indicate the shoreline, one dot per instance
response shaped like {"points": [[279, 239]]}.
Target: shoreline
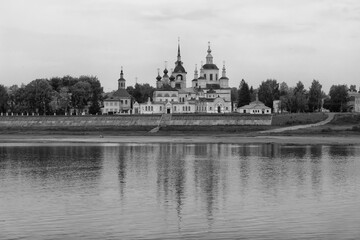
{"points": [[183, 139]]}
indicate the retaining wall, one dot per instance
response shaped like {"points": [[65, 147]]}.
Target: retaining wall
{"points": [[10, 122]]}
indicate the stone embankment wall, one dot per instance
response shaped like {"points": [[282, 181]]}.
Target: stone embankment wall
{"points": [[15, 122]]}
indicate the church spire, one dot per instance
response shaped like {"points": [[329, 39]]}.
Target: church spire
{"points": [[121, 81], [121, 73], [223, 70], [209, 57], [178, 64], [179, 56], [196, 76]]}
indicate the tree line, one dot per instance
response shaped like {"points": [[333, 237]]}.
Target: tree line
{"points": [[71, 95], [296, 98], [66, 95]]}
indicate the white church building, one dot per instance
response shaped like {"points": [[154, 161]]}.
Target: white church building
{"points": [[209, 92]]}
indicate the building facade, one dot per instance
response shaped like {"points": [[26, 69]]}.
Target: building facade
{"points": [[209, 92], [255, 107], [119, 101], [354, 101]]}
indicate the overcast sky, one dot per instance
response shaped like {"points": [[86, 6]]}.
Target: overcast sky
{"points": [[287, 40]]}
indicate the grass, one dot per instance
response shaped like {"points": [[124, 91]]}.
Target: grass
{"points": [[297, 119]]}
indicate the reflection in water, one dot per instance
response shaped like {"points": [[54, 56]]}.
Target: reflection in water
{"points": [[171, 191]]}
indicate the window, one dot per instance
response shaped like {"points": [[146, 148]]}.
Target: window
{"points": [[126, 102], [160, 108], [205, 76], [152, 109], [211, 77], [210, 108], [174, 108], [111, 103], [216, 78]]}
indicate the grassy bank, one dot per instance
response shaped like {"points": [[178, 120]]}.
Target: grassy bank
{"points": [[290, 119]]}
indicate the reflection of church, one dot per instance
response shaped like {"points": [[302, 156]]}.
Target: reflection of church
{"points": [[209, 93]]}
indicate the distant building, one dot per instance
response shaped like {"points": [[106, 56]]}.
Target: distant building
{"points": [[208, 93], [118, 101], [354, 101], [255, 107], [277, 106]]}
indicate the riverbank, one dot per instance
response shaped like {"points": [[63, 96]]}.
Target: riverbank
{"points": [[205, 138]]}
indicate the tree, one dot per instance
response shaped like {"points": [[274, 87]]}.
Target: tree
{"points": [[300, 95], [315, 96], [244, 97], [234, 94], [96, 93], [284, 97], [141, 92], [80, 95], [268, 92], [39, 95], [338, 98], [3, 99]]}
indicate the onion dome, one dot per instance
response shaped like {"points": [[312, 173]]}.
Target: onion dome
{"points": [[172, 78], [158, 76], [210, 66], [165, 73]]}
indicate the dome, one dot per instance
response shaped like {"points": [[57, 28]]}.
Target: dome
{"points": [[158, 78], [172, 78], [165, 71], [210, 66], [224, 78], [179, 69], [194, 80]]}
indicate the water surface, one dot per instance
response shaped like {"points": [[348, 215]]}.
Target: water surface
{"points": [[179, 191]]}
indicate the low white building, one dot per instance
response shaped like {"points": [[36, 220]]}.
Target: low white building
{"points": [[255, 107]]}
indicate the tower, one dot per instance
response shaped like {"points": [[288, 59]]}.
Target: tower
{"points": [[196, 76], [210, 70], [179, 71], [158, 79], [224, 81], [121, 81]]}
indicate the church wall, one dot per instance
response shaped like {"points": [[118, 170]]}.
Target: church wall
{"points": [[215, 76]]}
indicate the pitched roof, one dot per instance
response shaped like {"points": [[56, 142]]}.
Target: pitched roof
{"points": [[120, 93], [255, 105]]}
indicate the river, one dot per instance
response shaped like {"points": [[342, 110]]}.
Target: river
{"points": [[179, 191]]}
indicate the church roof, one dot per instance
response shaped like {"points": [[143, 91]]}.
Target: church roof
{"points": [[179, 68], [224, 78], [210, 66], [120, 93], [255, 105]]}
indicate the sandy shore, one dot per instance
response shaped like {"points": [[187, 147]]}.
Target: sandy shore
{"points": [[216, 138]]}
